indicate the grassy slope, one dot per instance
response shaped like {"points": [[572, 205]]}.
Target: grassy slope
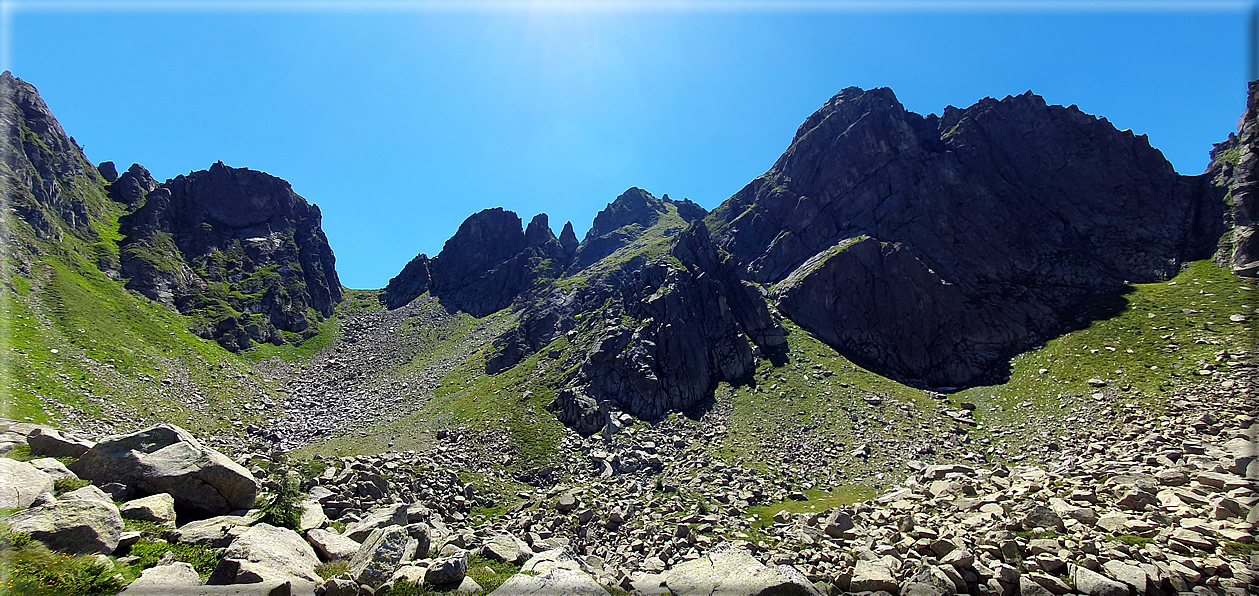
{"points": [[74, 340]]}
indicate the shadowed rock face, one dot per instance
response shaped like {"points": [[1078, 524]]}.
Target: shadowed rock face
{"points": [[486, 265], [238, 247], [979, 228], [1235, 169]]}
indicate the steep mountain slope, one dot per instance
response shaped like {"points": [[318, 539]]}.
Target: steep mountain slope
{"points": [[76, 346], [1235, 167], [934, 248]]}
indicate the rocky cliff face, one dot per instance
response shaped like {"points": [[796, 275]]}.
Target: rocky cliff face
{"points": [[236, 248], [1235, 169], [47, 181], [486, 265], [933, 248], [654, 322]]}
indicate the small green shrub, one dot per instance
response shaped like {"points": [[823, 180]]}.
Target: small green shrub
{"points": [[201, 558], [11, 539], [20, 452], [284, 507], [65, 485], [332, 569]]}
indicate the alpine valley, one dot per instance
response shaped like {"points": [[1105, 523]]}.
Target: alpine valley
{"points": [[1002, 350]]}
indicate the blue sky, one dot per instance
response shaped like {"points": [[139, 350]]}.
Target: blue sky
{"points": [[402, 120]]}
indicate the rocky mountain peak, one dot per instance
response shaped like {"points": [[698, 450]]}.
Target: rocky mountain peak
{"points": [[634, 206], [52, 186], [539, 231], [568, 239], [237, 248], [132, 185], [483, 240], [1016, 209]]}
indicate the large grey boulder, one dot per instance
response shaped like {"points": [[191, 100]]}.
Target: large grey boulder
{"points": [[167, 459], [447, 570], [1095, 584], [159, 508], [506, 549], [216, 532], [72, 526], [383, 552], [267, 553], [54, 443], [53, 468], [728, 570], [330, 545], [20, 483], [377, 518], [555, 581], [164, 579]]}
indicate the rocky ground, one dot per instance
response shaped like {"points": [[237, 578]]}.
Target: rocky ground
{"points": [[1127, 500], [375, 371]]}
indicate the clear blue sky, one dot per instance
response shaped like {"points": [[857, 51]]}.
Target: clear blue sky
{"points": [[399, 123]]}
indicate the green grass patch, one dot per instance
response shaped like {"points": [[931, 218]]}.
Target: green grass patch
{"points": [[819, 391], [1163, 335], [202, 558], [332, 569], [1132, 540], [490, 574], [1240, 549], [149, 530], [819, 501], [64, 485], [33, 569]]}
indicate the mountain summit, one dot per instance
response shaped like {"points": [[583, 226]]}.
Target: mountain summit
{"points": [[934, 248]]}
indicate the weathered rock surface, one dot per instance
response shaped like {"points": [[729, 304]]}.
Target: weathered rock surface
{"points": [[167, 459], [904, 242], [56, 444], [20, 483], [381, 553], [1235, 169], [727, 570], [330, 545], [266, 553], [72, 526], [159, 508], [164, 579], [198, 235]]}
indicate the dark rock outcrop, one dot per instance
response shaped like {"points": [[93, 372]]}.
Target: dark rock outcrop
{"points": [[108, 171], [568, 240], [655, 329], [409, 284], [976, 230], [132, 185], [1235, 169], [236, 248], [624, 219], [48, 182], [681, 330], [485, 266]]}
